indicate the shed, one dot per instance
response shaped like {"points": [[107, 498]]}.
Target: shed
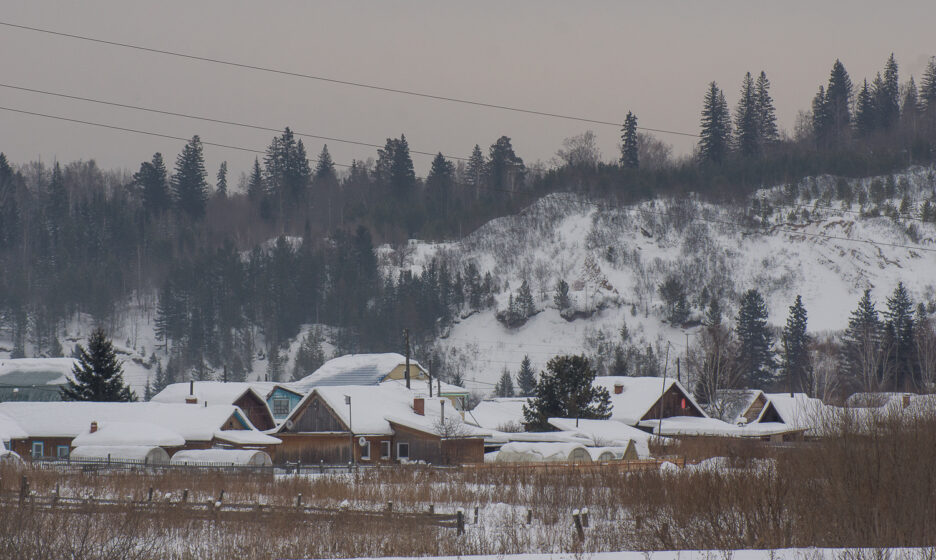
{"points": [[150, 455], [606, 454], [543, 453], [222, 457]]}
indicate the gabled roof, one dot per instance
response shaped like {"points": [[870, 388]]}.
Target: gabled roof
{"points": [[211, 392], [799, 411], [192, 422], [735, 402], [639, 395], [353, 369], [493, 414], [128, 433], [266, 388], [606, 432], [10, 429]]}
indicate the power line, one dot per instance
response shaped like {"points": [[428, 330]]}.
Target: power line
{"points": [[137, 131], [337, 81], [209, 119]]}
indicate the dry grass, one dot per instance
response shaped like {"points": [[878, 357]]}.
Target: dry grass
{"points": [[872, 487]]}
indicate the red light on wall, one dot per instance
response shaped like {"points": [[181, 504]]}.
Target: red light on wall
{"points": [[683, 404]]}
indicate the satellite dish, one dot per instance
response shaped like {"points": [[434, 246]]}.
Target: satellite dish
{"points": [[288, 424], [362, 441]]}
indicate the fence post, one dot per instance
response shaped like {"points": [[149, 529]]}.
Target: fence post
{"points": [[577, 521], [24, 489], [149, 496], [185, 496], [460, 521], [389, 507], [476, 515], [322, 466], [529, 516], [55, 496], [431, 509], [299, 500]]}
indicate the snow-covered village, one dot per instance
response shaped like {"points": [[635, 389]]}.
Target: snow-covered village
{"points": [[512, 281]]}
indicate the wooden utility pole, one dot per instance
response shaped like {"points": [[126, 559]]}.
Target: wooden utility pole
{"points": [[430, 377], [406, 342]]}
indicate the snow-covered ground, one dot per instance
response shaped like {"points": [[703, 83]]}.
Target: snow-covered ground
{"points": [[777, 554]]}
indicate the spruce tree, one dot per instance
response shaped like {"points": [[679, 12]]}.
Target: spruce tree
{"points": [[439, 183], [887, 95], [324, 176], [566, 390], [768, 132], [837, 105], [527, 306], [820, 118], [561, 295], [928, 88], [189, 183], [504, 387], [755, 349], [747, 133], [98, 375], [255, 188], [861, 345], [629, 149], [152, 180], [221, 182], [715, 131], [795, 341], [865, 118], [526, 378], [910, 108], [475, 170], [899, 336]]}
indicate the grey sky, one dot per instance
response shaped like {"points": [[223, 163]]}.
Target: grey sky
{"points": [[591, 59]]}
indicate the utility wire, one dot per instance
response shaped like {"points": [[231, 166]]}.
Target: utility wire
{"points": [[337, 81], [137, 131], [209, 119]]}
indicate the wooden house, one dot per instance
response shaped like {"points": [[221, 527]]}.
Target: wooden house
{"points": [[638, 399], [48, 429], [241, 395], [744, 406], [281, 398], [375, 424], [34, 379]]}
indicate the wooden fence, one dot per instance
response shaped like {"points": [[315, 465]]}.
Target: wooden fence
{"points": [[623, 466]]}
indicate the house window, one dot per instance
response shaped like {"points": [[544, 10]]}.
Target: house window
{"points": [[385, 450], [61, 451], [365, 451], [38, 449], [280, 407], [402, 451]]}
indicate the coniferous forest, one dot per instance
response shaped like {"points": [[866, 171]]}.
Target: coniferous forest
{"points": [[224, 263]]}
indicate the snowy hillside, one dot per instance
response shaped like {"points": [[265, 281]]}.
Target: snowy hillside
{"points": [[614, 259]]}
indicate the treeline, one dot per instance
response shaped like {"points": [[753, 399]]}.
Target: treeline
{"points": [[77, 239]]}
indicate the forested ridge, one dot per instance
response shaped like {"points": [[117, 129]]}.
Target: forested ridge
{"points": [[229, 271]]}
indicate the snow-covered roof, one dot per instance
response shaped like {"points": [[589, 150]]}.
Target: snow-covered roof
{"points": [[234, 457], [494, 414], [734, 403], [10, 429], [693, 426], [421, 387], [542, 452], [192, 422], [266, 388], [638, 396], [533, 437], [150, 454], [128, 433], [211, 392], [874, 400], [36, 371], [353, 369], [607, 432], [799, 411]]}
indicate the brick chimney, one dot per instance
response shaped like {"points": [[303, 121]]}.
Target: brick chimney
{"points": [[191, 398], [618, 388], [93, 426], [419, 406]]}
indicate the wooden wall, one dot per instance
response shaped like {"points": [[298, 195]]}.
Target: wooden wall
{"points": [[672, 405]]}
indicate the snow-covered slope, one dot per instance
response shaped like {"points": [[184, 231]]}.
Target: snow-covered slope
{"points": [[614, 259]]}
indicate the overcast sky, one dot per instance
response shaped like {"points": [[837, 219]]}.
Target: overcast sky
{"points": [[591, 59]]}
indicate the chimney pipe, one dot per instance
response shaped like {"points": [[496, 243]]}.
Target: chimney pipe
{"points": [[93, 426], [191, 387], [419, 406], [618, 389]]}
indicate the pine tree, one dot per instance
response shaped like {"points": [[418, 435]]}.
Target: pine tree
{"points": [[747, 134], [526, 378], [755, 351], [899, 336], [837, 106], [886, 94], [221, 184], [189, 183], [768, 132], [474, 170], [98, 376], [504, 387], [629, 149], [566, 390], [324, 176], [505, 170], [865, 115], [715, 131], [795, 341], [527, 306]]}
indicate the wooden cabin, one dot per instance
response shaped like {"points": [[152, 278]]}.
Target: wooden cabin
{"points": [[241, 395]]}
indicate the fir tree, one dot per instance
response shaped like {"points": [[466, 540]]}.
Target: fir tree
{"points": [[928, 87], [755, 350], [526, 378], [255, 188], [887, 95], [221, 183], [566, 390], [152, 180], [910, 108], [189, 183], [837, 104], [474, 170], [795, 341], [865, 121], [820, 117], [715, 131], [162, 380], [747, 133], [97, 376], [861, 345], [439, 183], [713, 313], [324, 177], [629, 149], [527, 306], [504, 387]]}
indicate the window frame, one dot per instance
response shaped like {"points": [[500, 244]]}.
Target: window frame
{"points": [[385, 449], [365, 451], [280, 401], [40, 445], [59, 449], [399, 446]]}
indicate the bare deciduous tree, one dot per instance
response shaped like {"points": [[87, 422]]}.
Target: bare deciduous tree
{"points": [[711, 365], [580, 150]]}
